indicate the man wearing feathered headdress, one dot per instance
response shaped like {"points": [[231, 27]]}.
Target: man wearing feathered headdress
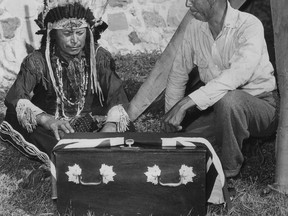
{"points": [[66, 86]]}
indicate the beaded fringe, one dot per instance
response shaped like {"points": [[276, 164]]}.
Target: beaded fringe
{"points": [[95, 86]]}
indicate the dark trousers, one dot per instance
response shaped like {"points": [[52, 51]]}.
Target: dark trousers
{"points": [[234, 118]]}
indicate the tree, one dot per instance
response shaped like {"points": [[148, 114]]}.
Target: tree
{"points": [[279, 10]]}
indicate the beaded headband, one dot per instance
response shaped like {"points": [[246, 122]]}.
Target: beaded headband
{"points": [[71, 24]]}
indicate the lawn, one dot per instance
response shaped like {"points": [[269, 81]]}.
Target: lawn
{"points": [[252, 196]]}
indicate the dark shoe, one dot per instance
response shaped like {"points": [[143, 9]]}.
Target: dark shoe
{"points": [[232, 173]]}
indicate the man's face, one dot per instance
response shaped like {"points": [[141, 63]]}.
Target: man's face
{"points": [[201, 9], [71, 41]]}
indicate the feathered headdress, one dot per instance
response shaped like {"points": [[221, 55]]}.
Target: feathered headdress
{"points": [[63, 14], [55, 10]]}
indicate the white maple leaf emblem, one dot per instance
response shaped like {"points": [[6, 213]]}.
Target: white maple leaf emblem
{"points": [[74, 173], [152, 174], [186, 174], [107, 173]]}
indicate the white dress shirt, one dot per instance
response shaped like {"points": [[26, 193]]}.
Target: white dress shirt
{"points": [[236, 59]]}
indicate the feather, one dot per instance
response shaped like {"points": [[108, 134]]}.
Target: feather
{"points": [[71, 10], [76, 10], [58, 13], [81, 12], [65, 12], [54, 10]]}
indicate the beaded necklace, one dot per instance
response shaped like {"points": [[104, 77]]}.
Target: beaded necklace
{"points": [[62, 99]]}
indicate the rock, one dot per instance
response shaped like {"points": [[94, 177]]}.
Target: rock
{"points": [[133, 37], [9, 26], [119, 3], [159, 1], [117, 21], [153, 19]]}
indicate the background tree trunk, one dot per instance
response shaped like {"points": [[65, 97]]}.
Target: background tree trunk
{"points": [[279, 10]]}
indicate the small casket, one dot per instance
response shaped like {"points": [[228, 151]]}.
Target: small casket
{"points": [[130, 174]]}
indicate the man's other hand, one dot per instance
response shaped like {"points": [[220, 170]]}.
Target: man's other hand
{"points": [[171, 121]]}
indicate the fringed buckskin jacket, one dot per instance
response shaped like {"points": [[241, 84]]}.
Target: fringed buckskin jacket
{"points": [[33, 83]]}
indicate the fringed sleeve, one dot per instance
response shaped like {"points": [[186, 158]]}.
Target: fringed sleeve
{"points": [[18, 97], [119, 116]]}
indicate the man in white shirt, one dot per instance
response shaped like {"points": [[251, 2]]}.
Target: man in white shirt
{"points": [[238, 98]]}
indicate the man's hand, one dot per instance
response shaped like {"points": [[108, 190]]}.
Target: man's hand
{"points": [[54, 125], [171, 121]]}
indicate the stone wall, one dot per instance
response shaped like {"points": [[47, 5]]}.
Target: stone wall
{"points": [[15, 37], [141, 25], [12, 49], [134, 26]]}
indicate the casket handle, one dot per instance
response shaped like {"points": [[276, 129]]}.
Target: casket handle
{"points": [[186, 175], [170, 184], [89, 183], [74, 174]]}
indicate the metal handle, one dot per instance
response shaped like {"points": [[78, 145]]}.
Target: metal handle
{"points": [[74, 174], [89, 183], [170, 184], [186, 175]]}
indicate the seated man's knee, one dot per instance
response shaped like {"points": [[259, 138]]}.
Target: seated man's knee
{"points": [[232, 100]]}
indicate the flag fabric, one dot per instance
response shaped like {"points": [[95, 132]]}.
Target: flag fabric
{"points": [[215, 175], [89, 143]]}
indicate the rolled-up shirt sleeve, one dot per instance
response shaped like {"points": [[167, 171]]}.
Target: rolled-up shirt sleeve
{"points": [[178, 77], [243, 63]]}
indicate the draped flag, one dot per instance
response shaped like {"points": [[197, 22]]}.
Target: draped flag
{"points": [[89, 143], [215, 175]]}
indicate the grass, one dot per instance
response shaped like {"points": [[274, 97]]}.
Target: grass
{"points": [[252, 196]]}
